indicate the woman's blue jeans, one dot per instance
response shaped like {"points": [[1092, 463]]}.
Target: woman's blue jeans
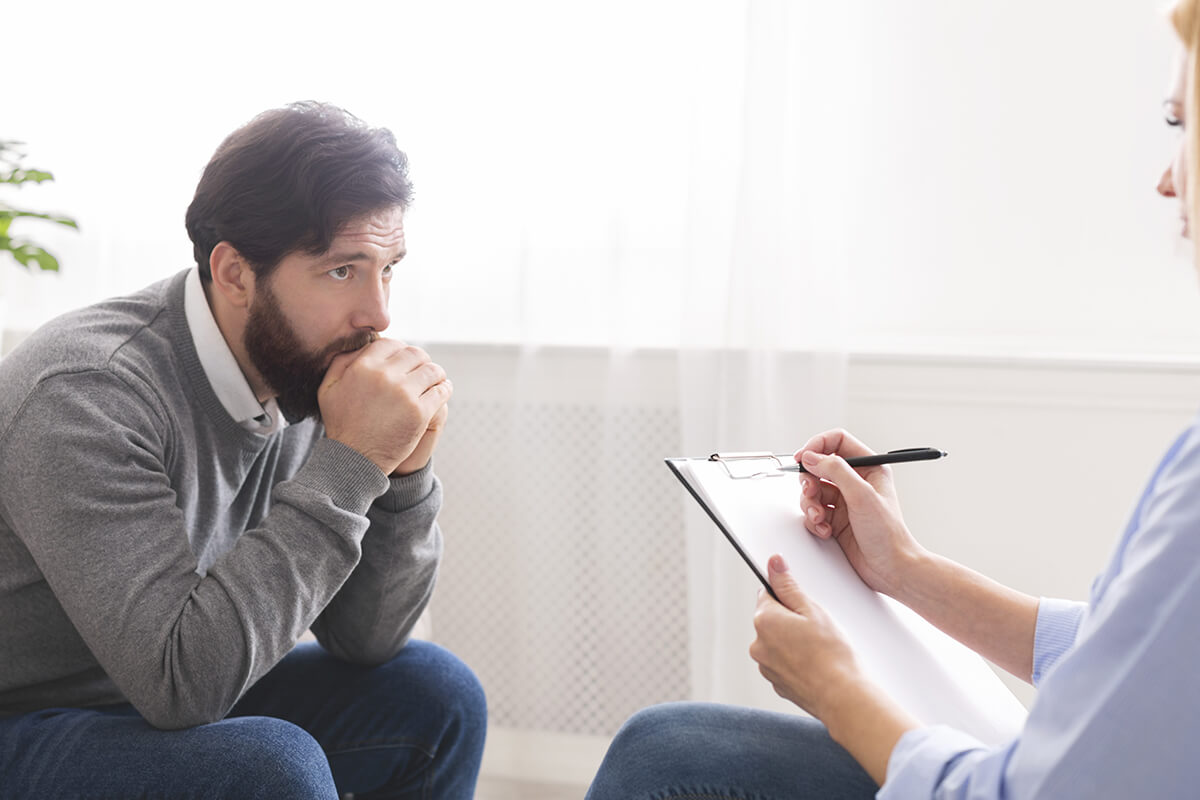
{"points": [[701, 751], [313, 727]]}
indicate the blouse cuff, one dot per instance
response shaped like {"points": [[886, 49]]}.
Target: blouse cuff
{"points": [[1057, 626], [921, 759]]}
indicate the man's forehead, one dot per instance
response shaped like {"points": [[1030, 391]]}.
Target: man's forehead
{"points": [[384, 228]]}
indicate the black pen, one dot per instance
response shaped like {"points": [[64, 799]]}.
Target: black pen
{"points": [[891, 457]]}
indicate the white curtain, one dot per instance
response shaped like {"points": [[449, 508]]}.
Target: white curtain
{"points": [[764, 362]]}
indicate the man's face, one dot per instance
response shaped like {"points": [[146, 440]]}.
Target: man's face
{"points": [[311, 308]]}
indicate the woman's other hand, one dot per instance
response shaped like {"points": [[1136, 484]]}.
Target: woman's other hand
{"points": [[798, 647], [804, 655]]}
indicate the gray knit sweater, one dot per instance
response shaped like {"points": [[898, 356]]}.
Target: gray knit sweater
{"points": [[154, 551]]}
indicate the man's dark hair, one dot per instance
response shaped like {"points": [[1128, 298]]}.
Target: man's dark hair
{"points": [[289, 180]]}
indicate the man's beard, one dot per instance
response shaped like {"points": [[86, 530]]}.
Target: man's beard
{"points": [[292, 372]]}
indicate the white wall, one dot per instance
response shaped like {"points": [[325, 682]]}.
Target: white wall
{"points": [[1006, 180]]}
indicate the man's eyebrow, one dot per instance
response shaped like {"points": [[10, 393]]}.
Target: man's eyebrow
{"points": [[349, 256], [343, 257]]}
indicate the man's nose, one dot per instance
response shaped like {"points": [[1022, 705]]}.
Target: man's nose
{"points": [[1166, 186], [372, 311]]}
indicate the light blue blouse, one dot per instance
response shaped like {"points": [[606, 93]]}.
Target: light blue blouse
{"points": [[1118, 708]]}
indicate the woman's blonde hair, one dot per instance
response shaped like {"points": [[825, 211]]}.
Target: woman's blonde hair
{"points": [[1185, 16]]}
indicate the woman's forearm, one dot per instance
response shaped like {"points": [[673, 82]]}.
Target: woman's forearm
{"points": [[993, 620], [868, 723]]}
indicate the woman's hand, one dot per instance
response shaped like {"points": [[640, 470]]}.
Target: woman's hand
{"points": [[803, 654], [798, 647], [858, 508]]}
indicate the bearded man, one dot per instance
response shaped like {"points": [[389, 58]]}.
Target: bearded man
{"points": [[194, 476]]}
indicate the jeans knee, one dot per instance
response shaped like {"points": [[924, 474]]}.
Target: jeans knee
{"points": [[470, 700], [272, 758], [659, 724], [645, 750], [452, 686]]}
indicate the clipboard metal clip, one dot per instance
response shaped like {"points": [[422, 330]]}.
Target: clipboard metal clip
{"points": [[740, 466]]}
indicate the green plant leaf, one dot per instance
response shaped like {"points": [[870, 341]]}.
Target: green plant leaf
{"points": [[18, 176], [25, 253], [12, 213], [46, 261], [28, 254]]}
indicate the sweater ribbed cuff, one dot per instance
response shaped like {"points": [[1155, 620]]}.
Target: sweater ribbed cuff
{"points": [[407, 490], [350, 479]]}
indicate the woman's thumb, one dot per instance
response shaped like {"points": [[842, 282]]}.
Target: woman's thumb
{"points": [[784, 584]]}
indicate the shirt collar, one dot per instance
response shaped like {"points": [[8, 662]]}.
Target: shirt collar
{"points": [[221, 368]]}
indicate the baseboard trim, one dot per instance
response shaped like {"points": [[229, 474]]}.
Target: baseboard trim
{"points": [[543, 756]]}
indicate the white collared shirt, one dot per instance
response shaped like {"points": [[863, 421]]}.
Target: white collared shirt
{"points": [[221, 368]]}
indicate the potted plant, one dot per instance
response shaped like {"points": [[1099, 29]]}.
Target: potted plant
{"points": [[22, 250]]}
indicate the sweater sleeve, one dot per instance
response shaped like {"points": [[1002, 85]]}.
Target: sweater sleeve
{"points": [[371, 617], [84, 485]]}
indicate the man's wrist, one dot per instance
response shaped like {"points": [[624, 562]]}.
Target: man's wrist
{"points": [[404, 470]]}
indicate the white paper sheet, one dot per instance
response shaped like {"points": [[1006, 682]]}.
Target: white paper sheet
{"points": [[934, 677]]}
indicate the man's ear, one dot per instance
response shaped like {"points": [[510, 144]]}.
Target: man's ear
{"points": [[232, 276]]}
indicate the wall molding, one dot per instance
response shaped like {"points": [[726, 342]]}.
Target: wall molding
{"points": [[1152, 385]]}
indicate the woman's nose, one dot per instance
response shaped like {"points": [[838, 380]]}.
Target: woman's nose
{"points": [[1166, 186]]}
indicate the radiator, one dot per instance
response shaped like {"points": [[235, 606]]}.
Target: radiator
{"points": [[563, 584]]}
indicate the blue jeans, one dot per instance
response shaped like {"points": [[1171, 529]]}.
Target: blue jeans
{"points": [[312, 727], [701, 751]]}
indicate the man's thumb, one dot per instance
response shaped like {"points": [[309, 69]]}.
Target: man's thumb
{"points": [[338, 366], [784, 585]]}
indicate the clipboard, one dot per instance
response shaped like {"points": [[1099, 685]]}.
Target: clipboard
{"points": [[936, 678], [760, 467]]}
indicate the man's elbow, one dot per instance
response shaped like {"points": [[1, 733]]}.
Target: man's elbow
{"points": [[375, 654], [168, 714], [366, 651]]}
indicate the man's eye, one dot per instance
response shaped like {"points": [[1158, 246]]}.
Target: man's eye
{"points": [[340, 273]]}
